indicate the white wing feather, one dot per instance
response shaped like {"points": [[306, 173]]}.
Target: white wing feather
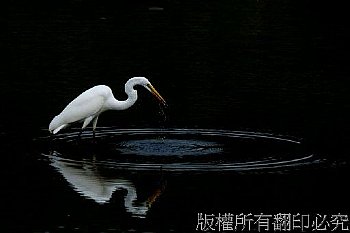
{"points": [[88, 104]]}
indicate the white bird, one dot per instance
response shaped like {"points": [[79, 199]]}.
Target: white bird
{"points": [[92, 102]]}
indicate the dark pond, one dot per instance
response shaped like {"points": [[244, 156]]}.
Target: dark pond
{"points": [[257, 122]]}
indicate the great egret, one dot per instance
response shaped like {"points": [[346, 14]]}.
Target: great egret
{"points": [[92, 102]]}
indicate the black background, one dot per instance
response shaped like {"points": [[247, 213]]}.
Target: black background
{"points": [[267, 66]]}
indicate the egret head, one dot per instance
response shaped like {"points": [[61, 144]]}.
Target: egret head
{"points": [[147, 84]]}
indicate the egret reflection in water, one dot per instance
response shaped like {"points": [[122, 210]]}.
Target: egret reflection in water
{"points": [[84, 177]]}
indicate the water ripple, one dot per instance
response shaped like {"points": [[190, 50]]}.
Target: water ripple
{"points": [[181, 150]]}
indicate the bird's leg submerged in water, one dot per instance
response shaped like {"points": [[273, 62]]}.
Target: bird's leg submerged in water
{"points": [[80, 133], [86, 122], [94, 123]]}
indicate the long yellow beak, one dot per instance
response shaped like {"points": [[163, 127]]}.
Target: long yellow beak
{"points": [[156, 93]]}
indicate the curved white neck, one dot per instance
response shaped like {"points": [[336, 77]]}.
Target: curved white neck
{"points": [[115, 104]]}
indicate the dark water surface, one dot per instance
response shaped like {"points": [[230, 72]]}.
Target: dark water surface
{"points": [[258, 115]]}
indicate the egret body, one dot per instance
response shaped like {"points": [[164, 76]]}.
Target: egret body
{"points": [[92, 102]]}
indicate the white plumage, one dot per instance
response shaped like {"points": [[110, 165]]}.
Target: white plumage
{"points": [[92, 102]]}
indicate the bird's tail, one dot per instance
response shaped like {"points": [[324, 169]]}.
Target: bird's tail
{"points": [[58, 129], [56, 126]]}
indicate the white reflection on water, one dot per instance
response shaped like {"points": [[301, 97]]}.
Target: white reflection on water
{"points": [[85, 178]]}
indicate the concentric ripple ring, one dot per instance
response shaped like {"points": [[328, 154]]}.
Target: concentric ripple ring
{"points": [[180, 150]]}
